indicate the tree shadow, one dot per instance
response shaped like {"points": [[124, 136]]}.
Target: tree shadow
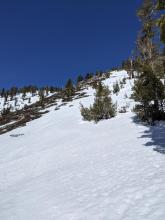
{"points": [[155, 133]]}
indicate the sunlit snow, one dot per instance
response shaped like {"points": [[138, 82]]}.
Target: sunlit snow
{"points": [[64, 168]]}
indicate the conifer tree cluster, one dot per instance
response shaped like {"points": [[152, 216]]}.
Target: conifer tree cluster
{"points": [[13, 91], [103, 108], [149, 88]]}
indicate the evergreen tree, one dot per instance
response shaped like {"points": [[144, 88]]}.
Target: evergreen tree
{"points": [[80, 78], [13, 91], [99, 73], [33, 90], [3, 93], [47, 90], [89, 76], [6, 96], [41, 97], [149, 92], [24, 92], [69, 89], [103, 108], [148, 89], [161, 21]]}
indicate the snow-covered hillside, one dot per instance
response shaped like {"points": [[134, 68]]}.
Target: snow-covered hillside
{"points": [[60, 167], [19, 101]]}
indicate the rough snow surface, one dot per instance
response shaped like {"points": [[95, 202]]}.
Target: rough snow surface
{"points": [[63, 168]]}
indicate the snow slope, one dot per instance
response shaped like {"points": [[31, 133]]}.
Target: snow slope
{"points": [[18, 102], [62, 168]]}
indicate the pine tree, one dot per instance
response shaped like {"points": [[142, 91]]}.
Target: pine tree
{"points": [[79, 79], [3, 93], [23, 92], [103, 108], [89, 76], [6, 96], [69, 89], [47, 90], [148, 89], [41, 97], [33, 90], [99, 73]]}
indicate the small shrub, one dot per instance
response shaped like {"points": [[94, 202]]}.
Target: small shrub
{"points": [[123, 109], [124, 80], [86, 113], [116, 88], [5, 111], [121, 85], [103, 108]]}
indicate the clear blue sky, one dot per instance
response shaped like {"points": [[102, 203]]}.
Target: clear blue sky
{"points": [[47, 41]]}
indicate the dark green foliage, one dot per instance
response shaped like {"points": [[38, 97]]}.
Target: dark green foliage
{"points": [[99, 73], [47, 90], [69, 89], [163, 30], [145, 14], [80, 78], [149, 91], [24, 94], [103, 108], [161, 21], [116, 88], [89, 76], [114, 68], [26, 89], [124, 80], [160, 5], [107, 75], [12, 92], [6, 96], [5, 111], [87, 113], [3, 93], [94, 84], [41, 97], [122, 83], [130, 65], [53, 89]]}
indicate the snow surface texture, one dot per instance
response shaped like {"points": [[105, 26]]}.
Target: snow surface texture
{"points": [[59, 167]]}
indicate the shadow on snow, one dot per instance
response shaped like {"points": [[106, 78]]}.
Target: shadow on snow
{"points": [[156, 134]]}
